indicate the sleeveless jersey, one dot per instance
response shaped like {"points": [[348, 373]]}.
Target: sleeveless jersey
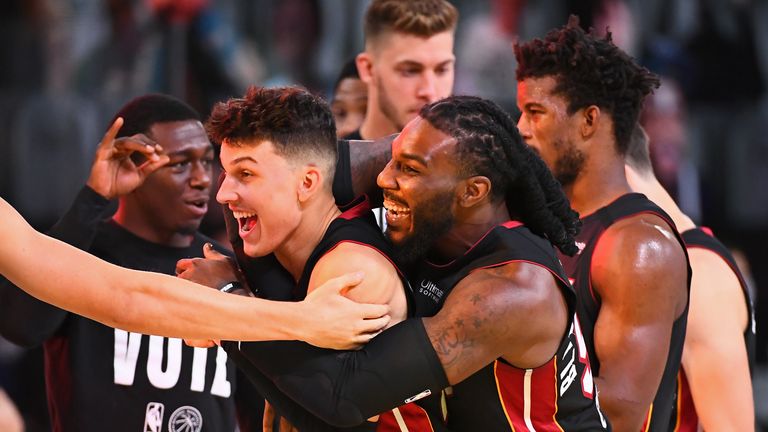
{"points": [[578, 269], [684, 418], [559, 395], [357, 225]]}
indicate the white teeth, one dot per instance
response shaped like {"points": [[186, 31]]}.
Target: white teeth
{"points": [[394, 208], [242, 215]]}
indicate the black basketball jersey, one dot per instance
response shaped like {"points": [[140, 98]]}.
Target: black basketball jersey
{"points": [[357, 225], [684, 418], [578, 269], [559, 395], [102, 378]]}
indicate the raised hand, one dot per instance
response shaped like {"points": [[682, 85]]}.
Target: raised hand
{"points": [[114, 171], [338, 322]]}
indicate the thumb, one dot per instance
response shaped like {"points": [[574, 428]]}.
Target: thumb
{"points": [[211, 253], [343, 283]]}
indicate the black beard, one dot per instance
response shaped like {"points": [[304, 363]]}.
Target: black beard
{"points": [[569, 163], [432, 220]]}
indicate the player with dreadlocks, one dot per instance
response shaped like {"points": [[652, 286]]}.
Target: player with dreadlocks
{"points": [[473, 212], [580, 97]]}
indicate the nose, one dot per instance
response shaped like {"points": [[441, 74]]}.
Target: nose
{"points": [[226, 193], [200, 177], [427, 87], [522, 127], [386, 179]]}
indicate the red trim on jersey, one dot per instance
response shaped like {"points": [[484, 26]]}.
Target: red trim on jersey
{"points": [[687, 419], [414, 417], [511, 224], [707, 231], [542, 396], [357, 210]]}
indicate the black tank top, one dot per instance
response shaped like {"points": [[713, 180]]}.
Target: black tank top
{"points": [[578, 269], [356, 225], [684, 418], [558, 395]]}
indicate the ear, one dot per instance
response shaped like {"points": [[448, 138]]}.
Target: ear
{"points": [[590, 120], [310, 182], [474, 190], [364, 67]]}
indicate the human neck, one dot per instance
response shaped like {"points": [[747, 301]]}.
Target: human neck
{"points": [[599, 183], [295, 251], [468, 229], [648, 185], [135, 221], [376, 124]]}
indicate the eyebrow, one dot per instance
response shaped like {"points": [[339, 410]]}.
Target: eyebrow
{"points": [[243, 159], [413, 63], [414, 157]]}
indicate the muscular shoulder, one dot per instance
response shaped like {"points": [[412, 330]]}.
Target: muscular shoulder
{"points": [[716, 295], [381, 283], [640, 257]]}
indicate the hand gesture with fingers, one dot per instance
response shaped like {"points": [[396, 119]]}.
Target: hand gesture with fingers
{"points": [[114, 172], [338, 322]]}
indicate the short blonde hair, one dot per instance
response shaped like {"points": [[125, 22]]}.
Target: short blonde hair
{"points": [[423, 18]]}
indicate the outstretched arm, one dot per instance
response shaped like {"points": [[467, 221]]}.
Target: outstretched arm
{"points": [[716, 322], [490, 314], [153, 303], [639, 269]]}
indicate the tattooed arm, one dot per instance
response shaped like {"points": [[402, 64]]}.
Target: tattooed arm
{"points": [[513, 311]]}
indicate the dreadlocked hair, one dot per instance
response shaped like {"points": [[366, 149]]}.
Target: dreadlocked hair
{"points": [[589, 71], [489, 144]]}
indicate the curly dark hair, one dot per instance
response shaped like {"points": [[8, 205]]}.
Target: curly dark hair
{"points": [[589, 71], [298, 124], [489, 144]]}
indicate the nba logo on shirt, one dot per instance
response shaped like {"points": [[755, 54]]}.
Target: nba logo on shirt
{"points": [[153, 419]]}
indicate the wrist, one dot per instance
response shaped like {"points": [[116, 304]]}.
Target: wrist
{"points": [[230, 286]]}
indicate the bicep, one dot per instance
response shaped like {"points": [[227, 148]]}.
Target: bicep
{"points": [[641, 277], [497, 313], [380, 284]]}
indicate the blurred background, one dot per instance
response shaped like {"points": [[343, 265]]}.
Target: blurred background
{"points": [[68, 65]]}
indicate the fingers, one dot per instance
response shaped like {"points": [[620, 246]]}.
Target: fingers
{"points": [[372, 311], [376, 325], [286, 426], [137, 143], [211, 253], [152, 165], [183, 265], [111, 132], [342, 283], [269, 417], [199, 343]]}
